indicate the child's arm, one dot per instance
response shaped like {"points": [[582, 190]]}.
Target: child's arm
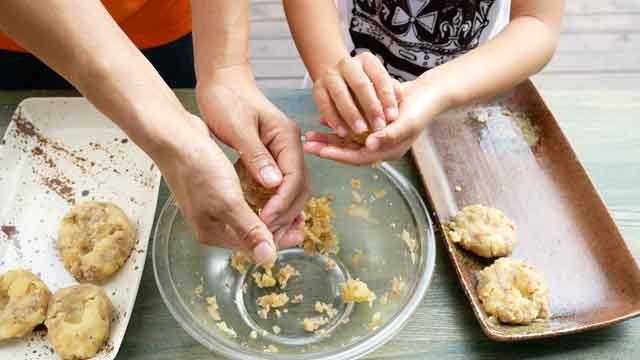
{"points": [[316, 30], [523, 48]]}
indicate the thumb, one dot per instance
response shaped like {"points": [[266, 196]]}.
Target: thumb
{"points": [[253, 234], [396, 132], [258, 160]]}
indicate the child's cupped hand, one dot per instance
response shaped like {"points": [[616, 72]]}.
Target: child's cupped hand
{"points": [[358, 96]]}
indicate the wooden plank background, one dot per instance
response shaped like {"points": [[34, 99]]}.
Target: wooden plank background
{"points": [[599, 47]]}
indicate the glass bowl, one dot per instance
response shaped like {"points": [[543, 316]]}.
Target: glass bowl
{"points": [[187, 273]]}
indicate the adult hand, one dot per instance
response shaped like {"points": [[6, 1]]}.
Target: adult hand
{"points": [[420, 101], [208, 192], [267, 141]]}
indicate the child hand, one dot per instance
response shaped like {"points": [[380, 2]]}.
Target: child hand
{"points": [[356, 95], [420, 102]]}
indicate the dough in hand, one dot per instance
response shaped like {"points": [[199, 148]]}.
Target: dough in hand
{"points": [[78, 321], [95, 239], [23, 303], [484, 231], [256, 195], [514, 292]]}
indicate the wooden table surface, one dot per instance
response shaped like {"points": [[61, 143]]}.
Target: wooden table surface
{"points": [[602, 126]]}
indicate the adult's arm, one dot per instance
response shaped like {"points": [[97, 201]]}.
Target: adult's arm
{"points": [[240, 115], [81, 41]]}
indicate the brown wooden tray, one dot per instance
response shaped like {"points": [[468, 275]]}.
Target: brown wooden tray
{"points": [[564, 227]]}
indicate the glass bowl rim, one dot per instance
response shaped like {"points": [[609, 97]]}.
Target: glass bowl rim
{"points": [[231, 350]]}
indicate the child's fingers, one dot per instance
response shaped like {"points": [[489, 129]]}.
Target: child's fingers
{"points": [[383, 84], [394, 134], [313, 147], [346, 156], [364, 91], [328, 110], [341, 97], [324, 122], [398, 90], [330, 139]]}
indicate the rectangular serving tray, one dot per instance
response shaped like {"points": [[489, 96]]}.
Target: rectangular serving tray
{"points": [[528, 169], [57, 152]]}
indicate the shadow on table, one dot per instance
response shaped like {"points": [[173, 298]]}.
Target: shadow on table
{"points": [[559, 347]]}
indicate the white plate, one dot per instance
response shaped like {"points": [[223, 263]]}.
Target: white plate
{"points": [[57, 151]]}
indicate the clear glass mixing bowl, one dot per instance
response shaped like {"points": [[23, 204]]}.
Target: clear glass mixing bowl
{"points": [[182, 265]]}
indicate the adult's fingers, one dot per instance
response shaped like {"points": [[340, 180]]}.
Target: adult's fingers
{"points": [[258, 160], [284, 142], [383, 83], [294, 235], [328, 109], [353, 73], [252, 233]]}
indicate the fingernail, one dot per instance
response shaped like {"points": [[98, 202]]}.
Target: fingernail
{"points": [[373, 143], [270, 176], [378, 123], [342, 132], [392, 112], [263, 253], [360, 126]]}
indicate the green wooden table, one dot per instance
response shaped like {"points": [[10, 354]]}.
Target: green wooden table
{"points": [[602, 126]]}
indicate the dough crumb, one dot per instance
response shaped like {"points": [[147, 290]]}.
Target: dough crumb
{"points": [[480, 116], [285, 273], [330, 264], [253, 334], [271, 301], [379, 194], [356, 198], [328, 309], [264, 313], [264, 280], [222, 326], [361, 212], [384, 299], [278, 314], [271, 349], [319, 236], [213, 309], [313, 324], [356, 183], [358, 291], [530, 132], [297, 299], [240, 261], [197, 291], [376, 320], [276, 329], [458, 188], [411, 243], [397, 285]]}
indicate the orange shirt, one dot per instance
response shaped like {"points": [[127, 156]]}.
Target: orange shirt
{"points": [[148, 23]]}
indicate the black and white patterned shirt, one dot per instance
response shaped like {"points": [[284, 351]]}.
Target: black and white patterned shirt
{"points": [[413, 36]]}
